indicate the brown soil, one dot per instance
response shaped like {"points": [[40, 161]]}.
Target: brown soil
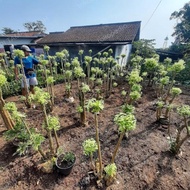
{"points": [[143, 160]]}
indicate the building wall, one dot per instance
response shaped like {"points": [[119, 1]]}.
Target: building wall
{"points": [[14, 41], [123, 49]]}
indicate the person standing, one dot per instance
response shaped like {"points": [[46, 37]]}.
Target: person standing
{"points": [[28, 64]]}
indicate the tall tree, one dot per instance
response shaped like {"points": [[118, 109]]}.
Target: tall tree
{"points": [[35, 26], [7, 30], [182, 28], [144, 48]]}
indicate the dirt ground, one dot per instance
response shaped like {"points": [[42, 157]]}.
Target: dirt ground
{"points": [[143, 160]]}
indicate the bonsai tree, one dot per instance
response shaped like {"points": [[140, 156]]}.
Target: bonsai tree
{"points": [[50, 81], [24, 135], [174, 70], [126, 122], [111, 171], [151, 65], [82, 109], [174, 92], [184, 128], [88, 60], [90, 146], [95, 106], [51, 124]]}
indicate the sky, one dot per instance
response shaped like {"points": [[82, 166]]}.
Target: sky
{"points": [[60, 15]]}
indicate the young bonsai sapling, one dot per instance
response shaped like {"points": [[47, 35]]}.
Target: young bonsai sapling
{"points": [[90, 146], [177, 142], [126, 122], [174, 93], [95, 106], [111, 171], [176, 68]]}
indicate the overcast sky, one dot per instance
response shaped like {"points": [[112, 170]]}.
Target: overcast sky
{"points": [[60, 15]]}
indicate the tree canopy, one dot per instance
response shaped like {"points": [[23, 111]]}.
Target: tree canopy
{"points": [[144, 48], [182, 28], [35, 26], [7, 30]]}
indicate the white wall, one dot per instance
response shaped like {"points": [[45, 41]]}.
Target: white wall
{"points": [[14, 41], [123, 49]]}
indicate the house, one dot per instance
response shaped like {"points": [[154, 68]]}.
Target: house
{"points": [[16, 39], [98, 38]]}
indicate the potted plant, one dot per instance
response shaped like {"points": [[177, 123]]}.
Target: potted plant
{"points": [[65, 162]]}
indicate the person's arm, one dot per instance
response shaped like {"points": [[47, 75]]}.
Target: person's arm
{"points": [[35, 61]]}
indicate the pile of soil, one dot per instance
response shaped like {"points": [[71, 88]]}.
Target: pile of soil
{"points": [[144, 161]]}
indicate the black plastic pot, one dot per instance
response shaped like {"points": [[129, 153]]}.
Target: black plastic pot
{"points": [[64, 170]]}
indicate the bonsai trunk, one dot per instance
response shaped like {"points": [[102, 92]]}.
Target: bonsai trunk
{"points": [[56, 139], [117, 146], [82, 104], [99, 148], [48, 131], [9, 123]]}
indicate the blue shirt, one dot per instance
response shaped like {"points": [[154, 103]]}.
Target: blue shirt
{"points": [[28, 63]]}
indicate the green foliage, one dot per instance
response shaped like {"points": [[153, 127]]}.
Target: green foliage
{"points": [[134, 77], [99, 81], [10, 106], [126, 108], [115, 84], [125, 121], [144, 48], [85, 88], [50, 80], [79, 109], [160, 104], [68, 74], [75, 62], [165, 80], [69, 157], [89, 146], [177, 66], [18, 133], [18, 53], [44, 62], [40, 96], [175, 91], [123, 93], [95, 106], [3, 80], [87, 59], [81, 52], [46, 48], [111, 170], [60, 55], [53, 123], [78, 72], [135, 95], [151, 64], [182, 32], [36, 140], [184, 110], [136, 87]]}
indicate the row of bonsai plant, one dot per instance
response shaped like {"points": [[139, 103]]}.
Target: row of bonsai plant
{"points": [[102, 74]]}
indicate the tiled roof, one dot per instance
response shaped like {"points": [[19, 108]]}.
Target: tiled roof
{"points": [[116, 32], [25, 34]]}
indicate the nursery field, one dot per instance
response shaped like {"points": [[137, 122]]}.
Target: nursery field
{"points": [[143, 161]]}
